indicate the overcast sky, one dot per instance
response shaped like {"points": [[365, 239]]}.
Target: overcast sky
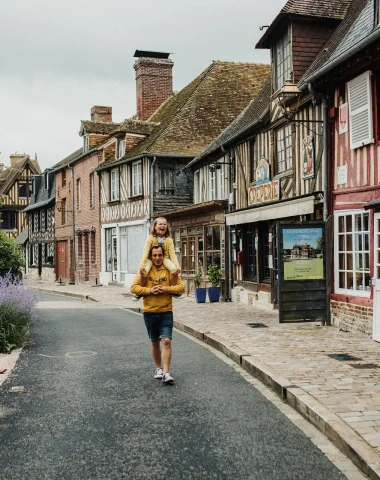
{"points": [[61, 57]]}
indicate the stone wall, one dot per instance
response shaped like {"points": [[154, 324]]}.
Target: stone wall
{"points": [[351, 318]]}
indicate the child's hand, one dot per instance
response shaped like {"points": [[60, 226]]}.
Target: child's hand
{"points": [[176, 272], [142, 271]]}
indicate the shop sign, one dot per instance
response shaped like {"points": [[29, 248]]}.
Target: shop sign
{"points": [[265, 190], [308, 158]]}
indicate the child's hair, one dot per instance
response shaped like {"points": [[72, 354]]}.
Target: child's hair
{"points": [[153, 229]]}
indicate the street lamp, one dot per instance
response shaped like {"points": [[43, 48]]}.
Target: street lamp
{"points": [[288, 99]]}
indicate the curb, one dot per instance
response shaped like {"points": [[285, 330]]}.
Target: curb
{"points": [[337, 431], [66, 294]]}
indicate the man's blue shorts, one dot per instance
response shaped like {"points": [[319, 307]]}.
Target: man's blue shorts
{"points": [[159, 325]]}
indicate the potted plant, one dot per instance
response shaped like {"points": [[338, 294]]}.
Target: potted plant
{"points": [[200, 293], [214, 274]]}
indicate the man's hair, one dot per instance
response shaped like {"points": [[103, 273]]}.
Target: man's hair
{"points": [[153, 229], [154, 248]]}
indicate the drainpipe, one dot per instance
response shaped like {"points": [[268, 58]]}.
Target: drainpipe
{"points": [[325, 179], [229, 182], [73, 217]]}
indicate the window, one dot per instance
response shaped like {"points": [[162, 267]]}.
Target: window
{"points": [[197, 189], [360, 110], [136, 178], [212, 176], [121, 149], [167, 180], [254, 152], [249, 267], [265, 252], [115, 191], [282, 61], [46, 180], [79, 194], [352, 253], [8, 220], [33, 185], [63, 177], [220, 183], [22, 190], [212, 246], [92, 189], [63, 211], [85, 144], [284, 148]]}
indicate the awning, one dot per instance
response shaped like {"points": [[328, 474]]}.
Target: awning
{"points": [[291, 208]]}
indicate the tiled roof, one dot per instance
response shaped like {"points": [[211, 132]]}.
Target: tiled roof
{"points": [[255, 111], [103, 128], [356, 27], [9, 175], [135, 126], [73, 156], [322, 9], [192, 119]]}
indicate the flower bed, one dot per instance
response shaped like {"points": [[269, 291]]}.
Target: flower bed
{"points": [[17, 309]]}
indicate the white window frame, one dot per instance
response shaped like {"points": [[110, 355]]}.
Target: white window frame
{"points": [[359, 92], [121, 149], [115, 185], [137, 178], [212, 184], [282, 60], [92, 184], [220, 183], [340, 263], [284, 148], [197, 187]]}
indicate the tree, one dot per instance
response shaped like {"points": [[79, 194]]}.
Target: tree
{"points": [[11, 256]]}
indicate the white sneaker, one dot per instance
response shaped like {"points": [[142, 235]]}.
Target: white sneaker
{"points": [[167, 378], [158, 373]]}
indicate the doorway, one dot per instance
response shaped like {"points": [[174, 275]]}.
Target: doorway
{"points": [[61, 260], [376, 279]]}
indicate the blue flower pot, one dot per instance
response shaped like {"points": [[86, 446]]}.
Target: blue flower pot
{"points": [[213, 294], [200, 295]]}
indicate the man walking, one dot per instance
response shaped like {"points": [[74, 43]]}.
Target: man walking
{"points": [[158, 314]]}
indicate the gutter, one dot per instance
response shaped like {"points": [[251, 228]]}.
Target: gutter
{"points": [[230, 193], [344, 56], [152, 188]]}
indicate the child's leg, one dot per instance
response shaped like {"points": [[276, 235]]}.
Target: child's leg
{"points": [[144, 278], [173, 271]]}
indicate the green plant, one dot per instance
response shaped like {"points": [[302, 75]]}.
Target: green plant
{"points": [[14, 327], [198, 277], [11, 256], [214, 274]]}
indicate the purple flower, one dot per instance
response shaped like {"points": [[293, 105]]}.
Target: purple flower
{"points": [[14, 291]]}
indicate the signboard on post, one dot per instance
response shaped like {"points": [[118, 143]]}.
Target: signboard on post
{"points": [[302, 272]]}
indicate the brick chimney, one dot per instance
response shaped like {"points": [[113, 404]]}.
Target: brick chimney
{"points": [[101, 114], [154, 82]]}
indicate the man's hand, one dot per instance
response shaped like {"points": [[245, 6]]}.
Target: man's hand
{"points": [[157, 289]]}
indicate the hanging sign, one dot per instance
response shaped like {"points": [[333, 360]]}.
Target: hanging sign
{"points": [[265, 190], [308, 157]]}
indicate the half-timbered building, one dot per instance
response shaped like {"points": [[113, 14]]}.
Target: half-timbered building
{"points": [[276, 153], [348, 71], [41, 245], [15, 192], [150, 180]]}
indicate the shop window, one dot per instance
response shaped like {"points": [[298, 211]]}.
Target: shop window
{"points": [[264, 253], [284, 148], [212, 246], [249, 250], [109, 234], [352, 253]]}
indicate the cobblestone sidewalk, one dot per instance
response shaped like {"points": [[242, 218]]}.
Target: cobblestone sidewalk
{"points": [[331, 377]]}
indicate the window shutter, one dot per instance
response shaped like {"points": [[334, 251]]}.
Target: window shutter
{"points": [[360, 109]]}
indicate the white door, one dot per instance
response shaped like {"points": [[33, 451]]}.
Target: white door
{"points": [[376, 279]]}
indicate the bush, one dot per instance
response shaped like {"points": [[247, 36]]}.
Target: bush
{"points": [[11, 256], [17, 309]]}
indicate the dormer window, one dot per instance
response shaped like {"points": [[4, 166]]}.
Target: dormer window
{"points": [[282, 61], [46, 180], [115, 185], [121, 149], [85, 144]]}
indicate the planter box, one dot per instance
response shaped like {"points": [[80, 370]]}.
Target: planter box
{"points": [[213, 294], [200, 295]]}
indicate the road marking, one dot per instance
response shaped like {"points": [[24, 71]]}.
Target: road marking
{"points": [[81, 354]]}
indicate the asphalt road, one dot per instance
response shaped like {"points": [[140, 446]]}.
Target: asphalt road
{"points": [[89, 408]]}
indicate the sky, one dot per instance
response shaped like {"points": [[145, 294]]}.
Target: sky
{"points": [[61, 57]]}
